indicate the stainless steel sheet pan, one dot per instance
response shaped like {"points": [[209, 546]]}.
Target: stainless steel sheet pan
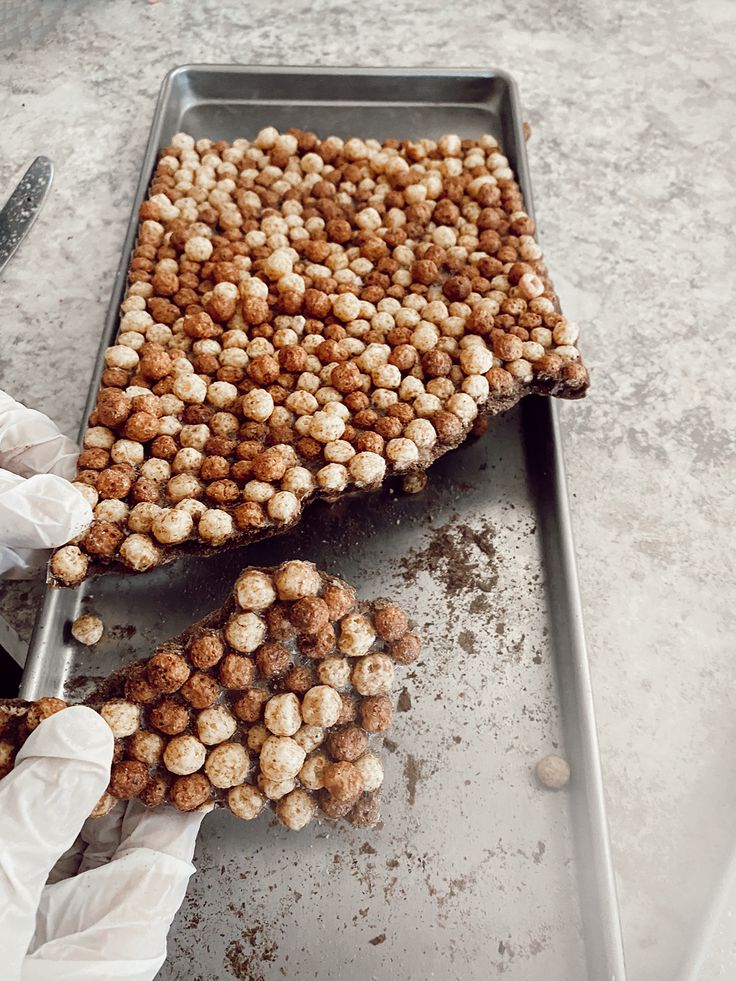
{"points": [[476, 872]]}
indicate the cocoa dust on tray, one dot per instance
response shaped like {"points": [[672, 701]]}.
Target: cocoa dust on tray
{"points": [[452, 557]]}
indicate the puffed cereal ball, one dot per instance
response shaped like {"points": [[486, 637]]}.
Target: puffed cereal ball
{"points": [[390, 621], [422, 433], [43, 709], [198, 248], [294, 580], [258, 405], [215, 527], [190, 388], [346, 307], [122, 716], [376, 713], [335, 672], [296, 809], [245, 631], [227, 765], [189, 793], [356, 635], [245, 801], [282, 716], [310, 737], [283, 507], [312, 774], [371, 770], [402, 453], [373, 675], [343, 781], [103, 806], [215, 725], [299, 481], [69, 564], [255, 590], [257, 735], [147, 747], [184, 755], [367, 469], [172, 526], [87, 629], [139, 553], [326, 427], [347, 743], [167, 671], [127, 779], [333, 478], [275, 789], [321, 706], [553, 772], [281, 758]]}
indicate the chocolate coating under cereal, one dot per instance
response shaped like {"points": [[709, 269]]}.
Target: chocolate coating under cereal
{"points": [[286, 339]]}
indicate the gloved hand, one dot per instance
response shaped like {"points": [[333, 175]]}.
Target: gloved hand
{"points": [[112, 889], [39, 509]]}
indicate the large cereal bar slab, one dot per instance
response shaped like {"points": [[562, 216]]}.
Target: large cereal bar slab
{"points": [[274, 699], [305, 317]]}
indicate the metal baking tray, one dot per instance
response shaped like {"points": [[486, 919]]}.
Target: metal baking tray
{"points": [[476, 870]]}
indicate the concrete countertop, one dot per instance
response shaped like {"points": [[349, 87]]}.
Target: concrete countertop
{"points": [[632, 156]]}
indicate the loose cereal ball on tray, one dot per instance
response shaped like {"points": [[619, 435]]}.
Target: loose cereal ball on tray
{"points": [[373, 674], [310, 614], [335, 672], [236, 671], [139, 553], [272, 660], [147, 747], [245, 801], [376, 713], [366, 813], [169, 717], [245, 631], [200, 690], [275, 789], [312, 774], [371, 770], [87, 629], [390, 621], [155, 791], [296, 809], [249, 706], [69, 565], [205, 651], [254, 590], [357, 635]]}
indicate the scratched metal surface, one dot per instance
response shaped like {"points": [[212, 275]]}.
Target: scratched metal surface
{"points": [[475, 870]]}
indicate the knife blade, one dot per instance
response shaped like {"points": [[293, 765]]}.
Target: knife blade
{"points": [[22, 207]]}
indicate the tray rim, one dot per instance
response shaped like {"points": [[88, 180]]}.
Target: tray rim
{"points": [[610, 946]]}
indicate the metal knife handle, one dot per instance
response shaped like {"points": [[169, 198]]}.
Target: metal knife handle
{"points": [[22, 207]]}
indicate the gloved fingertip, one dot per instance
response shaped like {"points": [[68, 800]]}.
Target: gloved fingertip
{"points": [[76, 733]]}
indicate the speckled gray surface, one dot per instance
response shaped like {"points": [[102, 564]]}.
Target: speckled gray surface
{"points": [[632, 107]]}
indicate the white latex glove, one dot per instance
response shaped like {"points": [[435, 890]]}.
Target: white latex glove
{"points": [[112, 891], [39, 508]]}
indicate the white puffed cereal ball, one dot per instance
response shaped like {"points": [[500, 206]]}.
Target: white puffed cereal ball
{"points": [[87, 492], [147, 747], [295, 580], [522, 369], [245, 802], [129, 338], [278, 264], [275, 789], [259, 491], [171, 526], [299, 481], [87, 629], [296, 809], [567, 351], [476, 360], [386, 376], [137, 321], [198, 248], [221, 394], [449, 145], [215, 725], [426, 404], [402, 453], [245, 631], [410, 388], [326, 426], [257, 404], [356, 635], [553, 772], [477, 387], [215, 526], [254, 590], [281, 757], [281, 714], [183, 487], [99, 437], [227, 765], [195, 509], [321, 706], [422, 433], [122, 716], [333, 478], [374, 356], [334, 671], [112, 510], [188, 460], [257, 735], [120, 356], [127, 451], [425, 337], [346, 307], [373, 674], [69, 565], [367, 468], [155, 469], [312, 774], [540, 335], [184, 755], [371, 770], [139, 553], [190, 388], [339, 450], [462, 406], [310, 737], [283, 507]]}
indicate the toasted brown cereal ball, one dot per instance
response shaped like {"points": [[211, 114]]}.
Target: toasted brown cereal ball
{"points": [[371, 769], [103, 539], [296, 809], [366, 813], [205, 651], [123, 717], [254, 590], [281, 715], [249, 515], [299, 679], [190, 792], [280, 626], [347, 743], [155, 791], [249, 706], [295, 580], [406, 649], [200, 690], [343, 781], [390, 622], [169, 717], [245, 801], [141, 427], [114, 483], [376, 713], [449, 428], [7, 757], [87, 629], [137, 686], [127, 779], [184, 755], [310, 614], [310, 737], [245, 632], [321, 706], [215, 725], [318, 645], [227, 765], [42, 709], [237, 671], [112, 407], [167, 671], [281, 758], [333, 808], [339, 599], [272, 660], [146, 747]]}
